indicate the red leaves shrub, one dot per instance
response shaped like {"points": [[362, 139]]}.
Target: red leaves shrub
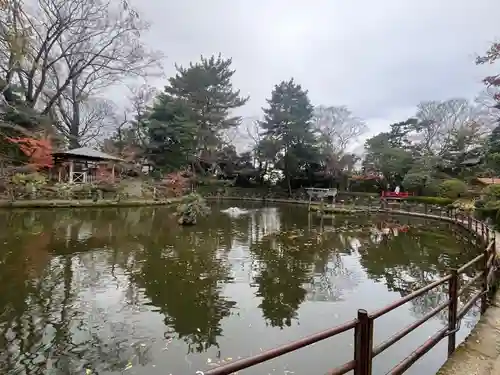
{"points": [[176, 183], [103, 173], [38, 151]]}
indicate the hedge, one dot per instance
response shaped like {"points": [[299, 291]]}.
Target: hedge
{"points": [[439, 201]]}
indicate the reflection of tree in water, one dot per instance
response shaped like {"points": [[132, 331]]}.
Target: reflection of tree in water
{"points": [[183, 278], [45, 325], [331, 279], [287, 264], [414, 259]]}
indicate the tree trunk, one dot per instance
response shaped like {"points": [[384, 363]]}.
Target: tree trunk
{"points": [[74, 130]]}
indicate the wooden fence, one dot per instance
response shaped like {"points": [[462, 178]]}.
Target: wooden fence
{"points": [[362, 326]]}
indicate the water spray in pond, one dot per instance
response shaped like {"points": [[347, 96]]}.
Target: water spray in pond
{"points": [[235, 211]]}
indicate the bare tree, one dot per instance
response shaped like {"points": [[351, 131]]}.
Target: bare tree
{"points": [[95, 116], [441, 122], [128, 139], [76, 50], [488, 101], [338, 127]]}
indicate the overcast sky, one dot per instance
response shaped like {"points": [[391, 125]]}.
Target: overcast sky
{"points": [[380, 58]]}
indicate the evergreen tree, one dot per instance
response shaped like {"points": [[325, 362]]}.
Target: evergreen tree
{"points": [[171, 132], [287, 122], [206, 89], [493, 150]]}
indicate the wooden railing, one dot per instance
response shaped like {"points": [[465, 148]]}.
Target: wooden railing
{"points": [[364, 349]]}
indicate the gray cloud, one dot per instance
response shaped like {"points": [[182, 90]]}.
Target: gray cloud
{"points": [[380, 58]]}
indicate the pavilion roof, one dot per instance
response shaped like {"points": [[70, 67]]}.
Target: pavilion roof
{"points": [[87, 153]]}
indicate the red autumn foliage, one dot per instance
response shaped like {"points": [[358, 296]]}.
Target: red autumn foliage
{"points": [[176, 183], [103, 173], [38, 151]]}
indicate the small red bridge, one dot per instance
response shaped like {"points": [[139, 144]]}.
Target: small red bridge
{"points": [[394, 195]]}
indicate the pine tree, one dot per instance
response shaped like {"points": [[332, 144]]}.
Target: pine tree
{"points": [[171, 134], [206, 89], [287, 122]]}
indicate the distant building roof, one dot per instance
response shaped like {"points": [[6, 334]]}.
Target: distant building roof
{"points": [[472, 161], [88, 153], [489, 180]]}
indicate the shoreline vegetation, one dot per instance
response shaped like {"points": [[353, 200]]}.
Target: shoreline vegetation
{"points": [[350, 202]]}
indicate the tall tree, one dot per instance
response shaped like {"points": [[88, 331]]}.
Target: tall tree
{"points": [[206, 90], [492, 56], [171, 131], [130, 136], [75, 50], [338, 127], [383, 157], [440, 121], [288, 123]]}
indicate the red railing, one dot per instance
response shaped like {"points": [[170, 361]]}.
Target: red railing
{"points": [[364, 350], [393, 194]]}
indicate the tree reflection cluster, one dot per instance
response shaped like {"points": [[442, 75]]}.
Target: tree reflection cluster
{"points": [[51, 261]]}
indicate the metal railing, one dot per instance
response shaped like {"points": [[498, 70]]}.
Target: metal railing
{"points": [[364, 349]]}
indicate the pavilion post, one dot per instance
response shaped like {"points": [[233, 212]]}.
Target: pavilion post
{"points": [[71, 168]]}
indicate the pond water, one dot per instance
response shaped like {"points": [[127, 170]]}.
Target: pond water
{"points": [[129, 291]]}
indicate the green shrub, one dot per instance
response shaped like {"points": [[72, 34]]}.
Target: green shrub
{"points": [[192, 207], [452, 188], [438, 201], [479, 203], [211, 181], [358, 194], [492, 192], [431, 189]]}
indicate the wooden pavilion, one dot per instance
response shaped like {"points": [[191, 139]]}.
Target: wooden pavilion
{"points": [[84, 165]]}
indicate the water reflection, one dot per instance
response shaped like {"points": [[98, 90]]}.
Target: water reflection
{"points": [[128, 289]]}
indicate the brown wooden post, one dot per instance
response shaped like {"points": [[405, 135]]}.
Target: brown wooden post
{"points": [[452, 311], [71, 168], [363, 344], [484, 297]]}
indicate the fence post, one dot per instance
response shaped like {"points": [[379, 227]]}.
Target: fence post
{"points": [[425, 208], [363, 344], [484, 297], [452, 310]]}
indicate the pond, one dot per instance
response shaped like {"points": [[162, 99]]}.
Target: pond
{"points": [[115, 291]]}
